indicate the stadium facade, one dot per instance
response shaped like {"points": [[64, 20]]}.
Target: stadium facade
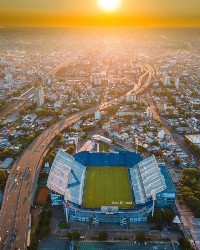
{"points": [[150, 184]]}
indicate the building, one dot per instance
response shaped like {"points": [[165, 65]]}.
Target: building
{"points": [[162, 106], [6, 164], [131, 98], [150, 138], [156, 84], [146, 180], [100, 138], [88, 146], [194, 139], [177, 82], [9, 77], [39, 96], [30, 118], [167, 197], [161, 134], [57, 105], [97, 116], [167, 80], [149, 112], [97, 80]]}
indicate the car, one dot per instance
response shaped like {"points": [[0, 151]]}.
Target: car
{"points": [[7, 232]]}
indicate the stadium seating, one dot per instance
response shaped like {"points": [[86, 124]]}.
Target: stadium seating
{"points": [[128, 159], [66, 177], [67, 174], [146, 177]]}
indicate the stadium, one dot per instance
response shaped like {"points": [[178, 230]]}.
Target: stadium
{"points": [[116, 187]]}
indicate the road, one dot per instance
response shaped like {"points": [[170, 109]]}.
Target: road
{"points": [[175, 136], [15, 104], [20, 103], [179, 139], [20, 186]]}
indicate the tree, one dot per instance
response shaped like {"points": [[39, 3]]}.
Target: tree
{"points": [[3, 176], [190, 189], [157, 218], [44, 231], [168, 216], [51, 147], [10, 137], [30, 138], [71, 150], [2, 103], [76, 236], [59, 136], [141, 149], [185, 244], [140, 237], [69, 235], [102, 236], [46, 221], [105, 133], [177, 161]]}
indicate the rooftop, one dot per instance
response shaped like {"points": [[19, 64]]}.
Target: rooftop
{"points": [[194, 138], [6, 163]]}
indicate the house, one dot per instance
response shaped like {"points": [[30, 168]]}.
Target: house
{"points": [[6, 164]]}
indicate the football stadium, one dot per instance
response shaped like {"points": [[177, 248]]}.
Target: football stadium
{"points": [[118, 187]]}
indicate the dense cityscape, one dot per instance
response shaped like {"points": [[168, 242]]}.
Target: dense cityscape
{"points": [[99, 138]]}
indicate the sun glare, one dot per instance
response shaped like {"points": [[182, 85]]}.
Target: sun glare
{"points": [[109, 5]]}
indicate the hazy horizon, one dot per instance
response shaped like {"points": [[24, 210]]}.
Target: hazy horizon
{"points": [[137, 13]]}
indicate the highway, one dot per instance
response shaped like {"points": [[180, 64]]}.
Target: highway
{"points": [[20, 186], [21, 183]]}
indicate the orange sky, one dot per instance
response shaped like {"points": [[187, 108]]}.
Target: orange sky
{"points": [[86, 12]]}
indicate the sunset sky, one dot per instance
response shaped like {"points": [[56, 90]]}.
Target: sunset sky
{"points": [[87, 12]]}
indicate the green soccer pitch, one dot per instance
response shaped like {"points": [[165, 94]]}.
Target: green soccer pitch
{"points": [[107, 186]]}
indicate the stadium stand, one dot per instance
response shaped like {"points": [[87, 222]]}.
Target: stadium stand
{"points": [[123, 158], [146, 177], [67, 177]]}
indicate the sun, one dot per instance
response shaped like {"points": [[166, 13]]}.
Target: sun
{"points": [[109, 5]]}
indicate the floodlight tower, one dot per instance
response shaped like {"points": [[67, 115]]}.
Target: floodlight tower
{"points": [[98, 146], [153, 194], [136, 142], [66, 206]]}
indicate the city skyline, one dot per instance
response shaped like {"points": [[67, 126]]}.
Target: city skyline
{"points": [[99, 131], [147, 13]]}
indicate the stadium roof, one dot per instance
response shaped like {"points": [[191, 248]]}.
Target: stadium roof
{"points": [[146, 178], [66, 177]]}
